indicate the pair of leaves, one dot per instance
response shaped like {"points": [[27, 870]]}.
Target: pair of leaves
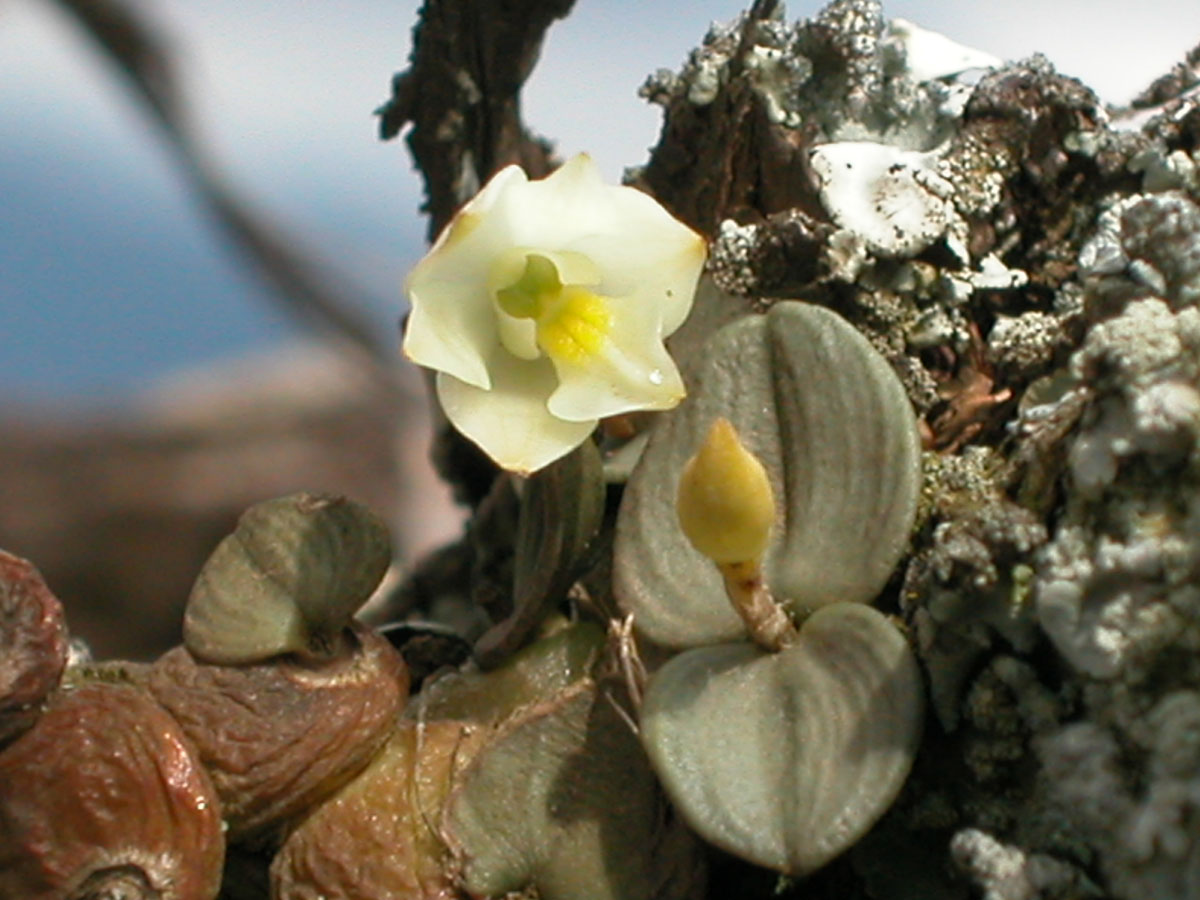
{"points": [[788, 758], [784, 759], [830, 421], [287, 580]]}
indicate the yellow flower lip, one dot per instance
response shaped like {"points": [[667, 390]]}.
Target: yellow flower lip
{"points": [[571, 323], [577, 328]]}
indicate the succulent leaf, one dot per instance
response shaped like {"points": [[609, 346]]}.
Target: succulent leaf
{"points": [[786, 759], [533, 675], [561, 513], [563, 800], [830, 421], [287, 580]]}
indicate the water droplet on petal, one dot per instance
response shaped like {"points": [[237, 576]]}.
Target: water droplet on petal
{"points": [[656, 376]]}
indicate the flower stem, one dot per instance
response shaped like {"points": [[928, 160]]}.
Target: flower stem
{"points": [[766, 621]]}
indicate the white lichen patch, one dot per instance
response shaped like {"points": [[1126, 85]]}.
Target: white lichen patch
{"points": [[893, 199], [1151, 244], [845, 255], [729, 258], [1167, 171], [707, 69], [1144, 364], [994, 275], [1113, 591], [1103, 603], [778, 76], [1136, 346], [707, 78], [930, 55], [991, 275], [1024, 342], [1166, 418], [979, 172], [898, 84], [999, 868], [935, 327]]}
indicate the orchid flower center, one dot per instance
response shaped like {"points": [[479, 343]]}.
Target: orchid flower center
{"points": [[570, 322]]}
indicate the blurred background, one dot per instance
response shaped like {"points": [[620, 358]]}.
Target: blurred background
{"points": [[151, 386]]}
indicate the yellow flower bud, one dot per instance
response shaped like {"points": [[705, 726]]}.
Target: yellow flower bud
{"points": [[725, 503]]}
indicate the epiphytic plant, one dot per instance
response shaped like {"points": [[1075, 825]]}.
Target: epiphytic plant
{"points": [[788, 723]]}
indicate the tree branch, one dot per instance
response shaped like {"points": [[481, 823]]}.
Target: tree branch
{"points": [[461, 94]]}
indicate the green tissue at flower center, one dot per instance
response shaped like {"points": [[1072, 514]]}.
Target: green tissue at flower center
{"points": [[529, 295], [572, 322]]}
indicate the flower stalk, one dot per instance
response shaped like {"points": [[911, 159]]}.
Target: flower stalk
{"points": [[726, 509], [766, 622]]}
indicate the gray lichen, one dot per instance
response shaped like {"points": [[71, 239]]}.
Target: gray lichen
{"points": [[1006, 872], [970, 586], [1116, 588], [1025, 343], [882, 95], [1117, 583], [1145, 246]]}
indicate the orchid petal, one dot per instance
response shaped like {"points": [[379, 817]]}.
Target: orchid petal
{"points": [[452, 329], [529, 357], [661, 265], [478, 233], [511, 422], [632, 370], [633, 240]]}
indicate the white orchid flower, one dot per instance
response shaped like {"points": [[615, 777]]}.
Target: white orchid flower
{"points": [[543, 306]]}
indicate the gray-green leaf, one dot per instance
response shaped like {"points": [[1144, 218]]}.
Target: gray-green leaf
{"points": [[786, 759], [834, 428], [287, 580], [561, 514], [563, 799]]}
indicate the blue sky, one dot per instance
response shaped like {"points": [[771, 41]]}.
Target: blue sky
{"points": [[110, 275]]}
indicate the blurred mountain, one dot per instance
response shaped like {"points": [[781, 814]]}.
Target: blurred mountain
{"points": [[119, 511]]}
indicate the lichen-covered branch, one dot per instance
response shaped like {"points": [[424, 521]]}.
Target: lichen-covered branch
{"points": [[461, 94], [1026, 261]]}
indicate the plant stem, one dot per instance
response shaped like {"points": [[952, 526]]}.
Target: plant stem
{"points": [[766, 620]]}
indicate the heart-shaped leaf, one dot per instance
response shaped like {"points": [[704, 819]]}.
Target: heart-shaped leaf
{"points": [[831, 423], [786, 759], [563, 800], [287, 580]]}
